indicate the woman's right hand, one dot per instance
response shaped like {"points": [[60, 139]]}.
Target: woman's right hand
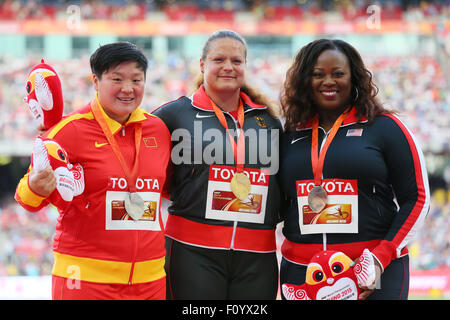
{"points": [[42, 183]]}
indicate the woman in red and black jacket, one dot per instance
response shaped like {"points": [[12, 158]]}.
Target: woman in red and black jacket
{"points": [[220, 243], [340, 140]]}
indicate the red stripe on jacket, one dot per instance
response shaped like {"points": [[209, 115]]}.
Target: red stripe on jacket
{"points": [[219, 237], [388, 250]]}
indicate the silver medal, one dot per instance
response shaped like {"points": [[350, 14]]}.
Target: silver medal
{"points": [[317, 199], [134, 205]]}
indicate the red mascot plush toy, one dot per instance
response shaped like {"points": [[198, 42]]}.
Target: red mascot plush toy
{"points": [[332, 275], [45, 101], [69, 178], [44, 95]]}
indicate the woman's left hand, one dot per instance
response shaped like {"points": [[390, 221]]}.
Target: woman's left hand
{"points": [[367, 271]]}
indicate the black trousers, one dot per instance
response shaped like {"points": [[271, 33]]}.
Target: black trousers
{"points": [[214, 274], [394, 284]]}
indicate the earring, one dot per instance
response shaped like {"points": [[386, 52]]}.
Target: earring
{"points": [[357, 93]]}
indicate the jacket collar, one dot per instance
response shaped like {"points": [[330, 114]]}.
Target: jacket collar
{"points": [[351, 118], [137, 115], [201, 100]]}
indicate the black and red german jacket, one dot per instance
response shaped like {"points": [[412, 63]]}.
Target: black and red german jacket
{"points": [[201, 148]]}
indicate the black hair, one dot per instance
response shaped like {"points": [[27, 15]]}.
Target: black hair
{"points": [[296, 98], [111, 55]]}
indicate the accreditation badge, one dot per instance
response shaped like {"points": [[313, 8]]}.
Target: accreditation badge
{"points": [[338, 215], [223, 204], [122, 211]]}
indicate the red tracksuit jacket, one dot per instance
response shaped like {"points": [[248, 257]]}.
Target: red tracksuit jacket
{"points": [[95, 239]]}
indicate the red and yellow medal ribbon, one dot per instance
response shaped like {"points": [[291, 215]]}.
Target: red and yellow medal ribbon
{"points": [[130, 174], [239, 148], [317, 159]]}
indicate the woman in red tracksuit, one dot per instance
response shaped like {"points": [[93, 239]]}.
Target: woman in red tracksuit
{"points": [[109, 242]]}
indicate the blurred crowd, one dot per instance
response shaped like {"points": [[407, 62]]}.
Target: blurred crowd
{"points": [[414, 85], [26, 240], [417, 88], [431, 248], [164, 82], [221, 9]]}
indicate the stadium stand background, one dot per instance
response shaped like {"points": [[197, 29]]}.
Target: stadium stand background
{"points": [[406, 45]]}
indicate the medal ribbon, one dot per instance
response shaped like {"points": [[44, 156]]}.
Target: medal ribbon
{"points": [[316, 159], [130, 175], [239, 149]]}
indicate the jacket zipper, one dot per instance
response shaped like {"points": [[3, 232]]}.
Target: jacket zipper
{"points": [[375, 199], [133, 260], [136, 240], [233, 236], [324, 235], [324, 138]]}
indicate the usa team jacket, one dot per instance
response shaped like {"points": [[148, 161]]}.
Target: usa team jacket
{"points": [[203, 165], [392, 185], [95, 240]]}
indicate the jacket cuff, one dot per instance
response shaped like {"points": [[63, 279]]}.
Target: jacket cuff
{"points": [[384, 252], [27, 198]]}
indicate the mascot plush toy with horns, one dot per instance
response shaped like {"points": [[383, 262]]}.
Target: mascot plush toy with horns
{"points": [[69, 178], [332, 275], [45, 101], [44, 95]]}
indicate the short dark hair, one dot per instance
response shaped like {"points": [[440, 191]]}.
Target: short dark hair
{"points": [[111, 55]]}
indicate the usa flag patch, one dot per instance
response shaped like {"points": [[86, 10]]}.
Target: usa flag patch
{"points": [[354, 132]]}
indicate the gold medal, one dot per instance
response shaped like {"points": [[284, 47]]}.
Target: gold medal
{"points": [[317, 199], [240, 185], [134, 205]]}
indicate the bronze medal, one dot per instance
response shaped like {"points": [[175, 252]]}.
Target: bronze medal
{"points": [[317, 199], [134, 205], [240, 185]]}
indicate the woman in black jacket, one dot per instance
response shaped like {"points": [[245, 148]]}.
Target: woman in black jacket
{"points": [[225, 196], [353, 175]]}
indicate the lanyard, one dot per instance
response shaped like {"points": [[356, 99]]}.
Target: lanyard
{"points": [[239, 149], [130, 175], [316, 158]]}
